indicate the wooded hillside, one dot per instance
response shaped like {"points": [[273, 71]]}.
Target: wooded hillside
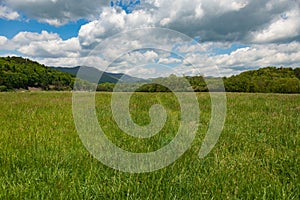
{"points": [[21, 73], [265, 80]]}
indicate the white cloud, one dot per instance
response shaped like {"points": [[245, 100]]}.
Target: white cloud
{"points": [[3, 40], [69, 48], [140, 71], [50, 49], [7, 13], [213, 20], [44, 44], [169, 60], [55, 22], [23, 38], [285, 26], [72, 62], [112, 22], [259, 55], [136, 58]]}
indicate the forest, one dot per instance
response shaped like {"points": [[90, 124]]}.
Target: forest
{"points": [[264, 80], [20, 73]]}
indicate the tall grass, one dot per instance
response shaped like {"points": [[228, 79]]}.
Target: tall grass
{"points": [[256, 157]]}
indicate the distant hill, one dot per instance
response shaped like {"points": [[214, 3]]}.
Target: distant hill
{"points": [[265, 80], [21, 73], [91, 73]]}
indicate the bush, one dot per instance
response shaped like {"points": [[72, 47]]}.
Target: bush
{"points": [[3, 88]]}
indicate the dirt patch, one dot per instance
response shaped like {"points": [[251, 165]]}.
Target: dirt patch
{"points": [[34, 89]]}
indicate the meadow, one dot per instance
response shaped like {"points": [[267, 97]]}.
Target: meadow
{"points": [[256, 157]]}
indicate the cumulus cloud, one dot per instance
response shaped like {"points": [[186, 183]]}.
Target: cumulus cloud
{"points": [[7, 13], [23, 38], [212, 20], [50, 49], [70, 62], [42, 45], [112, 22], [58, 12], [223, 21], [69, 48], [3, 40], [253, 57], [131, 60], [287, 25], [169, 60], [230, 21]]}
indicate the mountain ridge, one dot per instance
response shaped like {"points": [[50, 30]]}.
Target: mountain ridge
{"points": [[91, 73]]}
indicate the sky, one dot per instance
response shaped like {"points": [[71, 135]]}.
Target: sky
{"points": [[145, 37]]}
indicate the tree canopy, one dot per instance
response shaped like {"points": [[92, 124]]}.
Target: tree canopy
{"points": [[21, 73], [265, 80]]}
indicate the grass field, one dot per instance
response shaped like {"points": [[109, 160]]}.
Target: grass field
{"points": [[256, 157]]}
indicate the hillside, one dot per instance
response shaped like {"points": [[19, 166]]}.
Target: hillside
{"points": [[93, 73], [265, 80], [21, 73]]}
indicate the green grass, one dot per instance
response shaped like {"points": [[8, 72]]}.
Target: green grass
{"points": [[256, 157]]}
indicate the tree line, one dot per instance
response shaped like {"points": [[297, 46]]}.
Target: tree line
{"points": [[21, 73], [264, 80]]}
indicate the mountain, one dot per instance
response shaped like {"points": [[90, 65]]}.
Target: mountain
{"points": [[90, 73], [22, 73]]}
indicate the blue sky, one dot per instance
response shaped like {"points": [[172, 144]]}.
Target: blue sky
{"points": [[228, 50], [10, 28], [231, 35]]}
